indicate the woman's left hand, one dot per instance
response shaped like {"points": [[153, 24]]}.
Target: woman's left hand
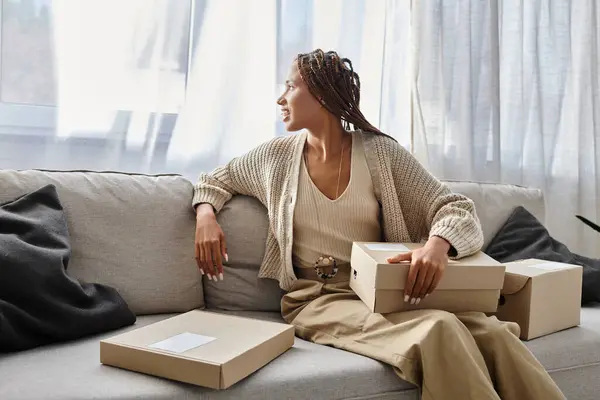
{"points": [[427, 266]]}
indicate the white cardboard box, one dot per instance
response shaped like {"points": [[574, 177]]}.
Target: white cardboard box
{"points": [[470, 284]]}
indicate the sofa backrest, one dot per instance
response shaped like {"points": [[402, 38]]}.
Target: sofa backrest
{"points": [[132, 232], [245, 223], [136, 234], [495, 202]]}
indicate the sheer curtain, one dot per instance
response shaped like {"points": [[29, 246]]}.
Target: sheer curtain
{"points": [[177, 86], [508, 91], [242, 60], [91, 84]]}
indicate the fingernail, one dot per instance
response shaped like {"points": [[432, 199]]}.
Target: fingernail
{"points": [[226, 257], [209, 276], [412, 301], [406, 298], [220, 276], [426, 295], [215, 278], [202, 272], [418, 300]]}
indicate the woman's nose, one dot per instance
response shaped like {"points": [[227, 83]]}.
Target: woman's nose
{"points": [[281, 100]]}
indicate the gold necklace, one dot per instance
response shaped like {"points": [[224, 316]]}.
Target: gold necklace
{"points": [[337, 188], [325, 261]]}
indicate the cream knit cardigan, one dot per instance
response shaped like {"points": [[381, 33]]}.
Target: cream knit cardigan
{"points": [[415, 205]]}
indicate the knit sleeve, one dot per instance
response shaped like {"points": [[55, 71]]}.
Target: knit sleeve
{"points": [[244, 175], [430, 205]]}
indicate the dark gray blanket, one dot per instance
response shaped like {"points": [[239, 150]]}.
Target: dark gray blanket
{"points": [[39, 302]]}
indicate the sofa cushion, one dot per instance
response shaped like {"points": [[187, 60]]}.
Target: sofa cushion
{"points": [[244, 222], [523, 236], [307, 371], [571, 348], [494, 202], [131, 232], [573, 356]]}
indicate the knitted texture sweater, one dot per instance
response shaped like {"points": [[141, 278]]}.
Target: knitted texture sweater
{"points": [[414, 204]]}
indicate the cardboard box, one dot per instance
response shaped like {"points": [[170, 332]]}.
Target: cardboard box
{"points": [[199, 347], [469, 284], [542, 297]]}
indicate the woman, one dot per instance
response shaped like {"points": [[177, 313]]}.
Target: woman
{"points": [[328, 187]]}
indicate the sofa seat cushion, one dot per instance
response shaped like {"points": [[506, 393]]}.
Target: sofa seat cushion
{"points": [[571, 348], [307, 371], [132, 232], [573, 356]]}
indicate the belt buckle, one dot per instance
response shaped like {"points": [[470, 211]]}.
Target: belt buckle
{"points": [[326, 261]]}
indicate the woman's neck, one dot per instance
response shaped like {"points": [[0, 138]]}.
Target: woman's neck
{"points": [[326, 142]]}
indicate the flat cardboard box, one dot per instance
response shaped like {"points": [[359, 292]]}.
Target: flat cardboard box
{"points": [[469, 284], [199, 347], [543, 297]]}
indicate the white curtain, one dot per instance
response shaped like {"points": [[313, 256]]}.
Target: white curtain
{"points": [[91, 84], [507, 91], [178, 85], [114, 55]]}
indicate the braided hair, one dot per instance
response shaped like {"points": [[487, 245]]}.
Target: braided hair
{"points": [[333, 82]]}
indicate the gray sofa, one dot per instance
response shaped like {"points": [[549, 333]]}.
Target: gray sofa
{"points": [[136, 233]]}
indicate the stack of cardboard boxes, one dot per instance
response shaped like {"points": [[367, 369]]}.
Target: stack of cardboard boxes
{"points": [[216, 351]]}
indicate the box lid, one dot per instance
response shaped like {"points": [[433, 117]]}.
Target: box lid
{"points": [[478, 271], [514, 283], [521, 271]]}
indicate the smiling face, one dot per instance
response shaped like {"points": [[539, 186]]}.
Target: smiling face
{"points": [[299, 108]]}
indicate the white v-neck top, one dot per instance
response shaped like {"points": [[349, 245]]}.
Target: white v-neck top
{"points": [[325, 227]]}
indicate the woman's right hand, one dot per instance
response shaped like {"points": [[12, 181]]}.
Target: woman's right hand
{"points": [[210, 243]]}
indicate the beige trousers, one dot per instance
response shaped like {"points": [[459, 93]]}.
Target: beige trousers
{"points": [[448, 356]]}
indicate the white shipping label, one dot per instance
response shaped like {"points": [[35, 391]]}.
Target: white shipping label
{"points": [[551, 266], [388, 247], [182, 342]]}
